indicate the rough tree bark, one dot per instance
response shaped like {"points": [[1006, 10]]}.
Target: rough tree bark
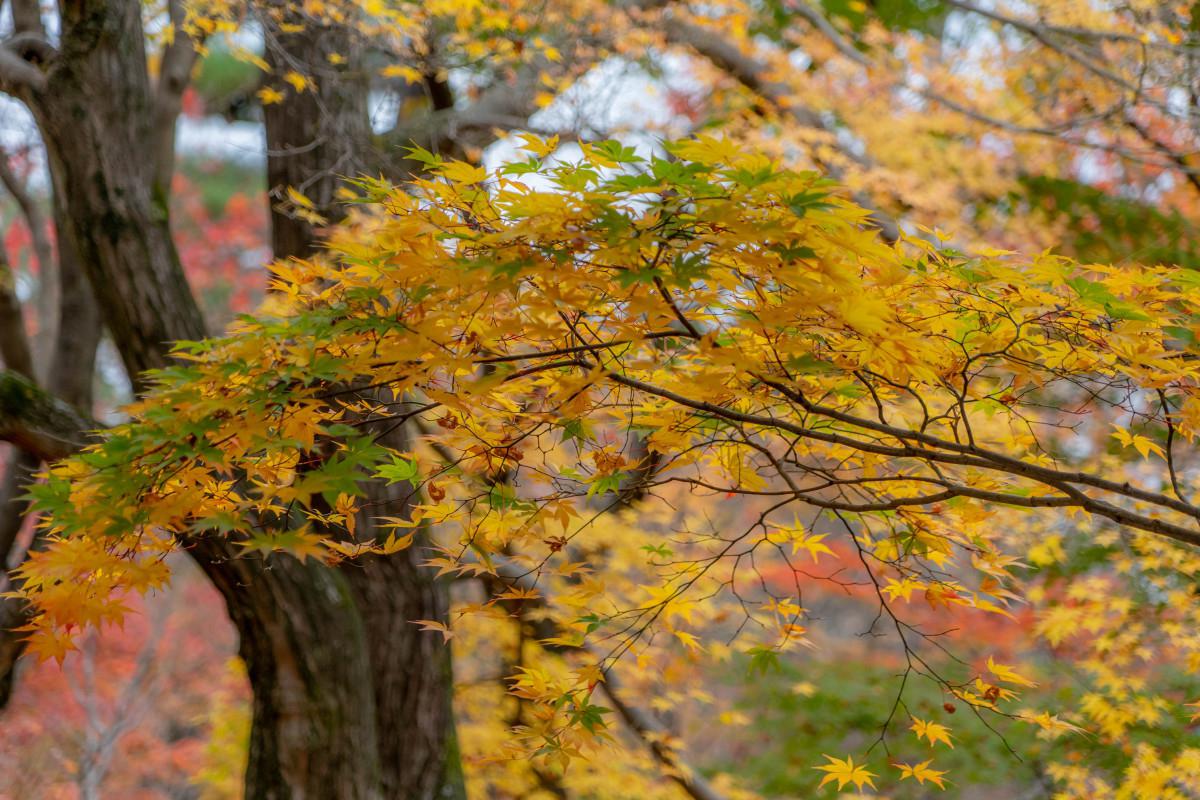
{"points": [[314, 138], [96, 118]]}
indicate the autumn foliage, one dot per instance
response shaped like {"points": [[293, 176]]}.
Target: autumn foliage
{"points": [[821, 419], [621, 330]]}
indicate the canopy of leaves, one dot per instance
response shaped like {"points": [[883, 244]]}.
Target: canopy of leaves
{"points": [[570, 336]]}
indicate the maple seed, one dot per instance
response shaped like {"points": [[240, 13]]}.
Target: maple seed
{"points": [[436, 493], [556, 543]]}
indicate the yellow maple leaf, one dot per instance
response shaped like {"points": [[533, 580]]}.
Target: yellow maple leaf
{"points": [[394, 543], [269, 96], [845, 772], [1049, 723], [434, 625], [462, 172], [345, 506], [689, 640], [812, 543], [298, 198], [1143, 445], [1006, 674], [409, 74], [300, 82], [519, 593], [902, 589], [242, 54], [922, 773], [933, 731], [49, 643], [537, 145]]}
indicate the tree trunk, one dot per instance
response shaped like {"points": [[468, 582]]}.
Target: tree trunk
{"points": [[96, 120], [314, 139], [413, 683], [350, 699], [316, 136], [314, 733]]}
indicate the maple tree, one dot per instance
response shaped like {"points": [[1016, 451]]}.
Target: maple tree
{"points": [[512, 367], [739, 314]]}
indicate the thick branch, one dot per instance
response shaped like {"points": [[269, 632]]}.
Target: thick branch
{"points": [[453, 131], [651, 731], [38, 422], [17, 74], [27, 17], [13, 508], [724, 54], [918, 446], [69, 377], [818, 21]]}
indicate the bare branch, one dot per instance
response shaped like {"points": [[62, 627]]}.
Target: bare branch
{"points": [[48, 279], [1042, 33], [930, 449], [1037, 27], [178, 59], [1175, 157], [14, 343], [654, 735]]}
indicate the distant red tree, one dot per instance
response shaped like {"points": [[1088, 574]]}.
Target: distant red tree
{"points": [[223, 254], [129, 715]]}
